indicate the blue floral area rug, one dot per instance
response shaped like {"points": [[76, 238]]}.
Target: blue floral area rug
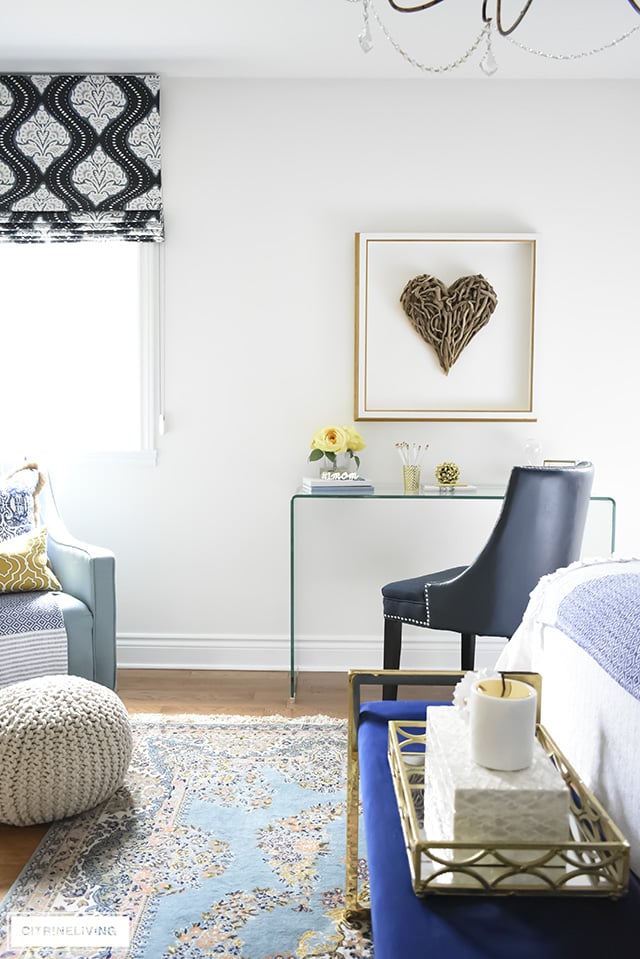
{"points": [[227, 841]]}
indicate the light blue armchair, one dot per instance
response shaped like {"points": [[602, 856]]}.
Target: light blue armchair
{"points": [[88, 600]]}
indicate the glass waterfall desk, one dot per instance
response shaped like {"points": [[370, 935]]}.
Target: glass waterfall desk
{"points": [[396, 493]]}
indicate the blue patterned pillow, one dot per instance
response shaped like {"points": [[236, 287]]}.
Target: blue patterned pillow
{"points": [[18, 503]]}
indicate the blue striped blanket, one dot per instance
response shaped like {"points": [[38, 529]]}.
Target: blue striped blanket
{"points": [[33, 638], [602, 616]]}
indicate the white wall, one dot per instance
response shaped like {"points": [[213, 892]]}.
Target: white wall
{"points": [[265, 185]]}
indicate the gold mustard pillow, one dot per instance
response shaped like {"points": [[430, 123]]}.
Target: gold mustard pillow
{"points": [[23, 563]]}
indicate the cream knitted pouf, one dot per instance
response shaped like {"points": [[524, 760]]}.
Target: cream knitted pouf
{"points": [[65, 746]]}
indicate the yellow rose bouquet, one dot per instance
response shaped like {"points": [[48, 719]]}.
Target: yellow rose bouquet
{"points": [[331, 440]]}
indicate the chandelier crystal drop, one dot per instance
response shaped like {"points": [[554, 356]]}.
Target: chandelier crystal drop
{"points": [[364, 37], [492, 25], [489, 64]]}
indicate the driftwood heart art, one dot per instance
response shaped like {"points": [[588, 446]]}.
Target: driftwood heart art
{"points": [[448, 317]]}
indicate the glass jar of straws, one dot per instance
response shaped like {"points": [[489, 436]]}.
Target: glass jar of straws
{"points": [[411, 455]]}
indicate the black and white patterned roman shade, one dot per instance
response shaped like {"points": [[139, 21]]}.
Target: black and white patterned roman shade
{"points": [[80, 157]]}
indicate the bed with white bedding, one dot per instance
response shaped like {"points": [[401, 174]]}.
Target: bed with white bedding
{"points": [[581, 632]]}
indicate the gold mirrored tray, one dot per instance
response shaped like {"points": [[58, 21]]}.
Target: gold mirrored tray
{"points": [[595, 861]]}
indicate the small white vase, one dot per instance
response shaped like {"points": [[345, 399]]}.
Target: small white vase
{"points": [[344, 463]]}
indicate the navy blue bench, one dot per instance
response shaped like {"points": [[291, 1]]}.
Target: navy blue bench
{"points": [[461, 927]]}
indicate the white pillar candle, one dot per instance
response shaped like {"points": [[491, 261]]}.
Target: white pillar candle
{"points": [[502, 723]]}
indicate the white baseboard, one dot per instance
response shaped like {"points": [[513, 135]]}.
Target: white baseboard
{"points": [[312, 653]]}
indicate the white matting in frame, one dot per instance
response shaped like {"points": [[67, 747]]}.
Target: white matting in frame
{"points": [[398, 376]]}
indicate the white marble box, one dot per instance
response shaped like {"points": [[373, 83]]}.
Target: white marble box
{"points": [[466, 802]]}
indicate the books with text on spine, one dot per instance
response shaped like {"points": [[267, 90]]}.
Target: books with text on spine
{"points": [[358, 486]]}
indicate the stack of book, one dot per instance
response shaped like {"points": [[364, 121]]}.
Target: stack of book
{"points": [[330, 487]]}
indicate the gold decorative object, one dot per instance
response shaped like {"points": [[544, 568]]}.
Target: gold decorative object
{"points": [[411, 479], [595, 862], [447, 318], [411, 456], [448, 474]]}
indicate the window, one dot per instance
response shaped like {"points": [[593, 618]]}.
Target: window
{"points": [[79, 347]]}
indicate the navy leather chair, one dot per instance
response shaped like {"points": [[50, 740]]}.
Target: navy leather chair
{"points": [[539, 530]]}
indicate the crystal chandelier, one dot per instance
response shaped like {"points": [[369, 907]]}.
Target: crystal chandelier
{"points": [[491, 25]]}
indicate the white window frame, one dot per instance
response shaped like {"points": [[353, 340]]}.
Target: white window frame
{"points": [[152, 357]]}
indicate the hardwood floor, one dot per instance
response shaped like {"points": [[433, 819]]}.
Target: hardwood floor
{"points": [[172, 692], [248, 693], [253, 693]]}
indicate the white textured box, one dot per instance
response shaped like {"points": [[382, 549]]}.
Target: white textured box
{"points": [[467, 803]]}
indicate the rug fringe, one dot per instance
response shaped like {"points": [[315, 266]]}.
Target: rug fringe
{"points": [[221, 719]]}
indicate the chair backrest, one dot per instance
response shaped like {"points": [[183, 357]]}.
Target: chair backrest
{"points": [[539, 529]]}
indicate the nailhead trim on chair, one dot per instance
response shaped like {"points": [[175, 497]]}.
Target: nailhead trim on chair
{"points": [[415, 622], [426, 603]]}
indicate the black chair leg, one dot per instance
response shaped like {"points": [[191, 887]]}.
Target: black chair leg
{"points": [[468, 652], [391, 653]]}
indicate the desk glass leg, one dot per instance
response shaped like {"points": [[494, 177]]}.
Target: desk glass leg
{"points": [[292, 614]]}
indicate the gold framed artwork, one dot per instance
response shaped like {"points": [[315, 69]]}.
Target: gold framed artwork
{"points": [[445, 326]]}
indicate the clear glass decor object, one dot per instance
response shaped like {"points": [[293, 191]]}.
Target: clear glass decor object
{"points": [[342, 466], [532, 452]]}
